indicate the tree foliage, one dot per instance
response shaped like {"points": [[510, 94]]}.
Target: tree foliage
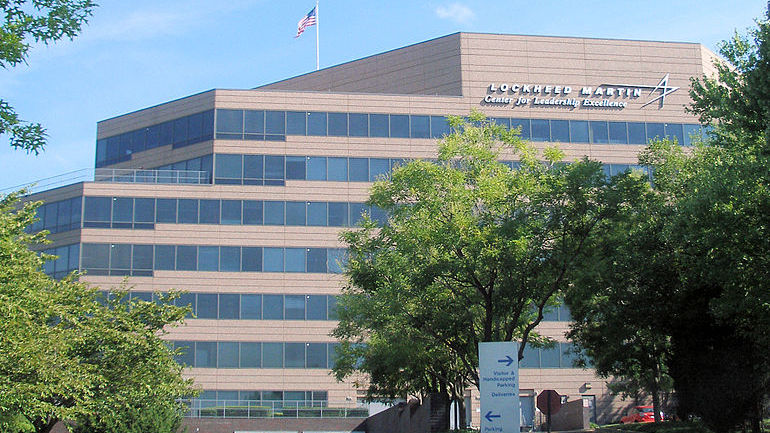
{"points": [[696, 258], [40, 22], [66, 356], [472, 251]]}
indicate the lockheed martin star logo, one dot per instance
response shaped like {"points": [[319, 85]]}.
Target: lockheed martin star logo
{"points": [[664, 90]]}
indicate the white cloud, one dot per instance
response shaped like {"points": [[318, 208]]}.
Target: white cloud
{"points": [[456, 12]]}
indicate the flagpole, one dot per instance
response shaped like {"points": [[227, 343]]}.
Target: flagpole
{"points": [[317, 24]]}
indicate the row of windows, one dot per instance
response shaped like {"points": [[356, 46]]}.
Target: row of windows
{"points": [[243, 306], [562, 355], [233, 169], [258, 124], [66, 261], [58, 216], [143, 213], [142, 260], [268, 396], [275, 125], [211, 354], [178, 133], [233, 354]]}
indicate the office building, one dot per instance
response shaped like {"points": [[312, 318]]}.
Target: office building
{"points": [[238, 196]]}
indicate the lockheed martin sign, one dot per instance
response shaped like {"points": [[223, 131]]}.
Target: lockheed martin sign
{"points": [[614, 96]]}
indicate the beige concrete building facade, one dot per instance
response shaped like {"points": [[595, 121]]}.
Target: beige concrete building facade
{"points": [[238, 196]]}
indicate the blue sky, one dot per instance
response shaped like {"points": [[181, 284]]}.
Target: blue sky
{"points": [[139, 53]]}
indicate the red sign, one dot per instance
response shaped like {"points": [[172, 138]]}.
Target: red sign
{"points": [[546, 397]]}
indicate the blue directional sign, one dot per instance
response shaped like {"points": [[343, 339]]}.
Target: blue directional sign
{"points": [[499, 387]]}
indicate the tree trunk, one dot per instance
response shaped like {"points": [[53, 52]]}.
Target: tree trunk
{"points": [[655, 391]]}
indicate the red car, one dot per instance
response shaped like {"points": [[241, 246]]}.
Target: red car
{"points": [[640, 414]]}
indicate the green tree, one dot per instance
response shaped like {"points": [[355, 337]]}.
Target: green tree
{"points": [[64, 356], [41, 22], [617, 297], [472, 251]]}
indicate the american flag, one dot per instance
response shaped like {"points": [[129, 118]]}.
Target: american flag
{"points": [[306, 21]]}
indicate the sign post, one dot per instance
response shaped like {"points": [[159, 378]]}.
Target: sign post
{"points": [[499, 387], [549, 402]]}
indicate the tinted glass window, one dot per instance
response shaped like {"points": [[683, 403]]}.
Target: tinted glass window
{"points": [[188, 211], [359, 169], [227, 355], [252, 212], [165, 259], [338, 214], [120, 258], [254, 122], [316, 355], [316, 307], [97, 209], [316, 123], [186, 258], [357, 210], [272, 260], [294, 308], [96, 256], [599, 132], [379, 168], [208, 258], [578, 131], [186, 351], [295, 167], [274, 167], [316, 168], [399, 125], [251, 259], [540, 130], [250, 356], [316, 214], [560, 131], [122, 210], [439, 126], [142, 257], [207, 306], [420, 126], [166, 210], [295, 122], [294, 355], [144, 210], [229, 306], [251, 307], [531, 358], [275, 122], [253, 168], [231, 212], [618, 133], [358, 124], [229, 259], [228, 168], [338, 124], [274, 212], [675, 131], [636, 133], [338, 169], [524, 125], [379, 126], [230, 121], [316, 260], [205, 354], [272, 355], [295, 213], [209, 212], [272, 307], [294, 260], [655, 131], [549, 358]]}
